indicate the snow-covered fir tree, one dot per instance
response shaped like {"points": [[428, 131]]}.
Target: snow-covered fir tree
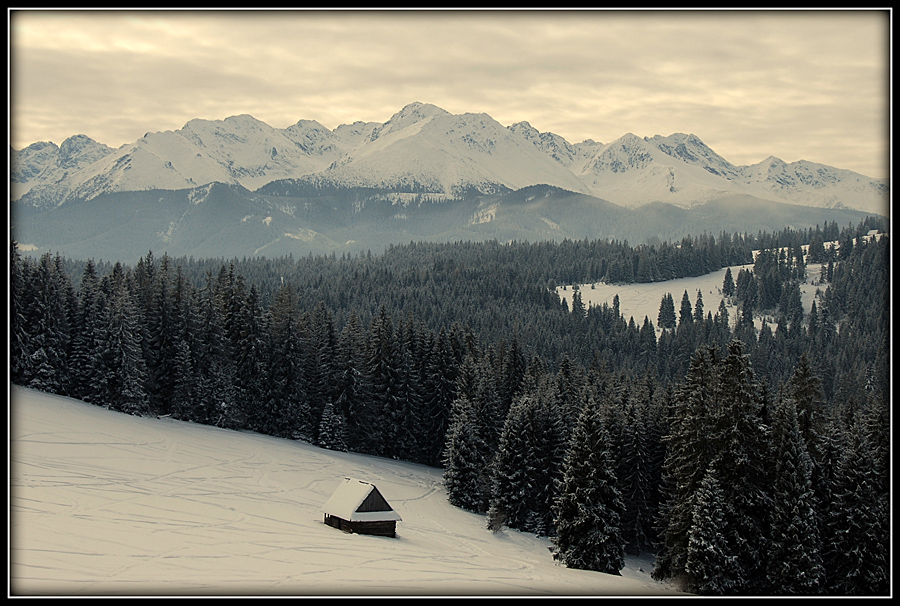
{"points": [[795, 549], [120, 357], [634, 472], [467, 459], [687, 458], [528, 460], [86, 334], [711, 568], [739, 438], [46, 316], [331, 434], [858, 522], [285, 411], [588, 510]]}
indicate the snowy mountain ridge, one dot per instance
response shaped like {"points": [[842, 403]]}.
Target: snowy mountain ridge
{"points": [[425, 149]]}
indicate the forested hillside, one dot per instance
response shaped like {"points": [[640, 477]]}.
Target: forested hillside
{"points": [[462, 356]]}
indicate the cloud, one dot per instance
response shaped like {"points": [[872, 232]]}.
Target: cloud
{"points": [[787, 83]]}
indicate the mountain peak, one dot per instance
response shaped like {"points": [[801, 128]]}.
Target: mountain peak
{"points": [[308, 124], [772, 162], [693, 151], [80, 150], [421, 109], [411, 114], [630, 139], [525, 129], [40, 145]]}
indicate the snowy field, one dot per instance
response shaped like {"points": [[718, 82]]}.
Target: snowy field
{"points": [[102, 503], [639, 300]]}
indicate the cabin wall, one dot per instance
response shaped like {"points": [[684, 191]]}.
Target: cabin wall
{"points": [[383, 529]]}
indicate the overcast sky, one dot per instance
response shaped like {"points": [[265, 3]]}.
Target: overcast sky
{"points": [[810, 85]]}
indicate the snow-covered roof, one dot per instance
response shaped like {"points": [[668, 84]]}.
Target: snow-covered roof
{"points": [[350, 496]]}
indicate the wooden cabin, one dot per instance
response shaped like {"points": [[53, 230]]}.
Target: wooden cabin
{"points": [[358, 507]]}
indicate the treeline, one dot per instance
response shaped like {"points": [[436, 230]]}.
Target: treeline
{"points": [[145, 342], [498, 290], [575, 424]]}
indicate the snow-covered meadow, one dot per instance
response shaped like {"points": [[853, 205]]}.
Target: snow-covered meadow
{"points": [[640, 300], [102, 503]]}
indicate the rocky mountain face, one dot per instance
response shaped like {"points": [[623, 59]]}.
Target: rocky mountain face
{"points": [[314, 183]]}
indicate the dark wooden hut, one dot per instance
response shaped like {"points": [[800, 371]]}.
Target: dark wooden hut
{"points": [[358, 507]]}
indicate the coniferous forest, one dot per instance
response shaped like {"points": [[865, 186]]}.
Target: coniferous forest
{"points": [[749, 461]]}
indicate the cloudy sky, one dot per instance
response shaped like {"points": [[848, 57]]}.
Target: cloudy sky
{"points": [[810, 85]]}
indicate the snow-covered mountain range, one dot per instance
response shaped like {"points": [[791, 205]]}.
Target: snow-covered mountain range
{"points": [[425, 149]]}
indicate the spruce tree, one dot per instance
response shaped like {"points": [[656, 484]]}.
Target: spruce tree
{"points": [[549, 448], [412, 414], [48, 315], [689, 454], [161, 340], [382, 382], [319, 365], [182, 405], [185, 402], [331, 434], [213, 360], [18, 335], [439, 391], [510, 479], [666, 317], [795, 550], [285, 412], [247, 340], [858, 561], [739, 438], [589, 508], [685, 314], [805, 389], [570, 392], [698, 307], [352, 399], [710, 564], [728, 284], [466, 459], [86, 335], [528, 461], [121, 360], [634, 473]]}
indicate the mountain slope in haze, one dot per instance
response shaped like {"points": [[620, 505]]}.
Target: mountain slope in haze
{"points": [[423, 148], [229, 221]]}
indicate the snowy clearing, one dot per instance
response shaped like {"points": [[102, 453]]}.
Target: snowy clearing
{"points": [[640, 300], [102, 503]]}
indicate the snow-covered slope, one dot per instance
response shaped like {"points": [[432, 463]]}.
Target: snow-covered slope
{"points": [[102, 503], [423, 148], [49, 169], [642, 300], [254, 153], [813, 184], [632, 171], [552, 145]]}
